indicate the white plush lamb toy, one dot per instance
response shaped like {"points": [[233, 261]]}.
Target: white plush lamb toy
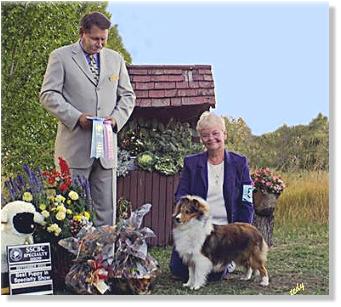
{"points": [[18, 220]]}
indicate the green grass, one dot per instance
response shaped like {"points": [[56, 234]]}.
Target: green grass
{"points": [[298, 256]]}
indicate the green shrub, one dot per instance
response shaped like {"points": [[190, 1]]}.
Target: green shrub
{"points": [[158, 146]]}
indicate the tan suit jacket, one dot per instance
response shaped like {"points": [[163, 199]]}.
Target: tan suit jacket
{"points": [[69, 89]]}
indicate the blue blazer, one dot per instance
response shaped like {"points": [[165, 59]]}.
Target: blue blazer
{"points": [[237, 184]]}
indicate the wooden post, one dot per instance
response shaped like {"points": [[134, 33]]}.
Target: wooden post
{"points": [[265, 204]]}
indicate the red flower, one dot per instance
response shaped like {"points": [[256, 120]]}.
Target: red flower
{"points": [[64, 168], [51, 180], [68, 181], [63, 187], [51, 176]]}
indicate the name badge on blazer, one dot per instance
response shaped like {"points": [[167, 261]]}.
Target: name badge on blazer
{"points": [[113, 78], [247, 193]]}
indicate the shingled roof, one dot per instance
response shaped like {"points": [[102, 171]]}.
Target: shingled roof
{"points": [[172, 85], [179, 91]]}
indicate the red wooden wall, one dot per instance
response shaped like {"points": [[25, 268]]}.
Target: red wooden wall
{"points": [[140, 187]]}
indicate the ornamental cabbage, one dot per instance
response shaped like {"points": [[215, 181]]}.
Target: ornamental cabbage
{"points": [[146, 160]]}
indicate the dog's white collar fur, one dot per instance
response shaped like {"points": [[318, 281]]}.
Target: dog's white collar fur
{"points": [[191, 236]]}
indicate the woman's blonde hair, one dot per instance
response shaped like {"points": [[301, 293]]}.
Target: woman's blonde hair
{"points": [[208, 119]]}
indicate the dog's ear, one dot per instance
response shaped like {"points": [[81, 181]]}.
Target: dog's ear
{"points": [[184, 199], [176, 208], [195, 205]]}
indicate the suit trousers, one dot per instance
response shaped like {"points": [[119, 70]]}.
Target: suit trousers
{"points": [[103, 191]]}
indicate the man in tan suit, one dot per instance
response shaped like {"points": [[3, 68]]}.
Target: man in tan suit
{"points": [[85, 79]]}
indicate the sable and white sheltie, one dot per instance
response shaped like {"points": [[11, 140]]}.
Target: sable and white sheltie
{"points": [[205, 247]]}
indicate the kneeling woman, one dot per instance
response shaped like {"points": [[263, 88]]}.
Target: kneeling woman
{"points": [[221, 178]]}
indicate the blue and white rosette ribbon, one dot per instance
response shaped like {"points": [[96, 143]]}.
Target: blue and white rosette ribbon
{"points": [[97, 141]]}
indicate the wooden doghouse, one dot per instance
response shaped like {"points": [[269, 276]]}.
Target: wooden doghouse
{"points": [[183, 92]]}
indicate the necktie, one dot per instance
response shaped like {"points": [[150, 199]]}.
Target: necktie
{"points": [[93, 67]]}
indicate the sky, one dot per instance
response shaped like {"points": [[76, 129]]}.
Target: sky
{"points": [[269, 60]]}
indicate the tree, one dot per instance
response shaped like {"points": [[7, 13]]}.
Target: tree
{"points": [[294, 148], [238, 135], [30, 31], [287, 148]]}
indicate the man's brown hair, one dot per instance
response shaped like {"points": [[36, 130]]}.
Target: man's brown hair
{"points": [[94, 19]]}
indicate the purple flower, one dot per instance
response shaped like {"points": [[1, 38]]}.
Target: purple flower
{"points": [[11, 190], [20, 183], [35, 182], [84, 185]]}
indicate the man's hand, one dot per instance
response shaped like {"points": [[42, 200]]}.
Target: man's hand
{"points": [[113, 121], [84, 122]]}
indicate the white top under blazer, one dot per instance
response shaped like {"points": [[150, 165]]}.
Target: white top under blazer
{"points": [[215, 195]]}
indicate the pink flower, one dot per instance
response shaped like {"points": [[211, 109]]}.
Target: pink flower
{"points": [[265, 180]]}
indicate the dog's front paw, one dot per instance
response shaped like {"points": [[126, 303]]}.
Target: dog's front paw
{"points": [[196, 287], [265, 281], [187, 284], [245, 278]]}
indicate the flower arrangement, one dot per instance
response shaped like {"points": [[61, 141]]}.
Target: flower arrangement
{"points": [[265, 181], [98, 270], [64, 202]]}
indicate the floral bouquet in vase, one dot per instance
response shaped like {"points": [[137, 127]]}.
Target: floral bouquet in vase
{"points": [[267, 188], [265, 181]]}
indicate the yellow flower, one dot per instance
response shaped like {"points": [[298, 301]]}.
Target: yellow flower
{"points": [[61, 208], [42, 207], [59, 198], [60, 215], [57, 232], [69, 202], [77, 218], [45, 214], [27, 197], [86, 214], [54, 228], [73, 195], [68, 211]]}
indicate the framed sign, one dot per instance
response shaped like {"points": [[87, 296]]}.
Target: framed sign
{"points": [[29, 268]]}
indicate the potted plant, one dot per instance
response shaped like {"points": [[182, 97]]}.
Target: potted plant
{"points": [[267, 188]]}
